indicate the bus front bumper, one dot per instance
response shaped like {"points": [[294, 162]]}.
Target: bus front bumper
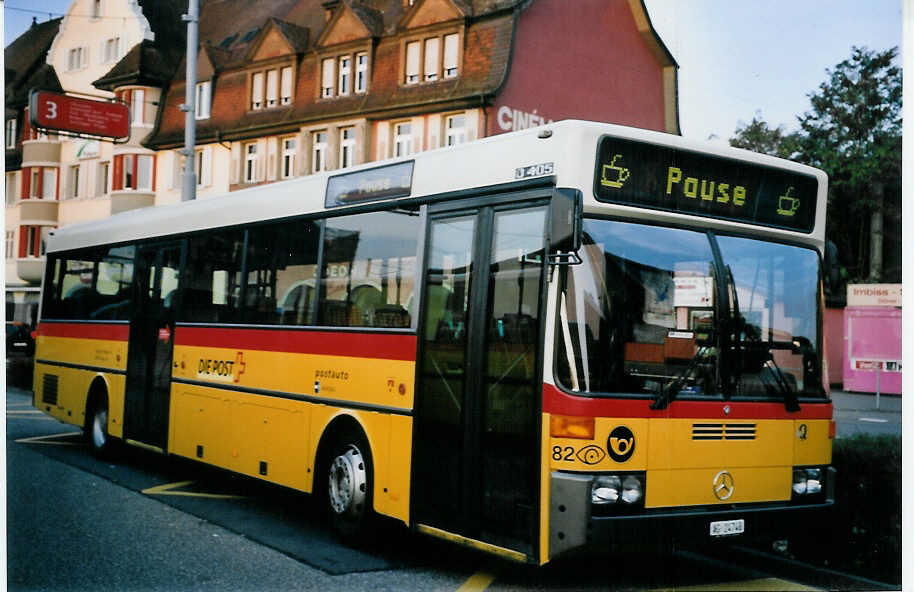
{"points": [[573, 526]]}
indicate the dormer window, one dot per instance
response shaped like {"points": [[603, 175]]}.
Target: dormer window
{"points": [[424, 60], [271, 88], [344, 75]]}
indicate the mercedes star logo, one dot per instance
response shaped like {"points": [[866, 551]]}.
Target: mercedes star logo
{"points": [[723, 485]]}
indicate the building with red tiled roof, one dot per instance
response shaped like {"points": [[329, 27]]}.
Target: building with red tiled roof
{"points": [[53, 180], [291, 87]]}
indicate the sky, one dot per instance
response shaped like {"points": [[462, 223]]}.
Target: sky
{"points": [[736, 57]]}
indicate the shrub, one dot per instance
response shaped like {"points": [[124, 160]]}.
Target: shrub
{"points": [[864, 535]]}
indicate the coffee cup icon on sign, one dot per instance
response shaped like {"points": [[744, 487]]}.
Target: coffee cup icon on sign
{"points": [[614, 176], [787, 204]]}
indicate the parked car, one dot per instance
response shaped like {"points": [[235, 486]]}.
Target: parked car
{"points": [[19, 339]]}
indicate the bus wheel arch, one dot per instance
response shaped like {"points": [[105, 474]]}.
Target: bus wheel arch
{"points": [[344, 477], [95, 428]]}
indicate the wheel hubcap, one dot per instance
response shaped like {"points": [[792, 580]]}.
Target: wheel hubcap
{"points": [[100, 428], [348, 478]]}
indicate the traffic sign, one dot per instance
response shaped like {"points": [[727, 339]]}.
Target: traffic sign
{"points": [[68, 114]]}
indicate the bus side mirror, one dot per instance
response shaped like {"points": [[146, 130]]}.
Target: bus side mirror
{"points": [[566, 213]]}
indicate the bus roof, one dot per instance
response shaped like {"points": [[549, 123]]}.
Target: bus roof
{"points": [[569, 148]]}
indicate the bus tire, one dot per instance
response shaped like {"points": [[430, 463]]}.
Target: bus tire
{"points": [[96, 428], [348, 482]]}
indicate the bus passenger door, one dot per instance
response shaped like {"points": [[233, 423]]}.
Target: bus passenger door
{"points": [[149, 355], [476, 456]]}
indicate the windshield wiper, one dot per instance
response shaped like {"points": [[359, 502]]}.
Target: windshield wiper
{"points": [[744, 341], [669, 391]]}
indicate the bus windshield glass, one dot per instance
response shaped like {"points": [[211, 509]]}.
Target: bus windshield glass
{"points": [[676, 313]]}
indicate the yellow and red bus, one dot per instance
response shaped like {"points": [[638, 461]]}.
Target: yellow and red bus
{"points": [[578, 335]]}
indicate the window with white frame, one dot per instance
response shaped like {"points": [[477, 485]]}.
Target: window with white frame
{"points": [[403, 139], [203, 166], [257, 91], [426, 62], [318, 152], [49, 183], [451, 55], [287, 165], [95, 11], [285, 86], [73, 181], [102, 178], [250, 163], [347, 147], [413, 48], [12, 193], [455, 131], [111, 50], [327, 77], [10, 236], [77, 58], [144, 172], [203, 99], [272, 88], [10, 135], [33, 184], [361, 72], [137, 105], [432, 47], [129, 179], [345, 76]]}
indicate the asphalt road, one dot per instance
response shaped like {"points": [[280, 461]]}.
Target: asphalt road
{"points": [[140, 521]]}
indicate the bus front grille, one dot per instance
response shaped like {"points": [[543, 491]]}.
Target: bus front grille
{"points": [[723, 431]]}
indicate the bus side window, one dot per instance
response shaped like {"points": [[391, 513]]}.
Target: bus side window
{"points": [[213, 278], [281, 265], [369, 270]]}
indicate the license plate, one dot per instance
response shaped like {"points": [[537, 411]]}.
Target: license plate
{"points": [[727, 527]]}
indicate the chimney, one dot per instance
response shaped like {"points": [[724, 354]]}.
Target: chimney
{"points": [[329, 7]]}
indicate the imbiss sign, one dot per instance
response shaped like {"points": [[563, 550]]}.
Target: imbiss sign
{"points": [[874, 294]]}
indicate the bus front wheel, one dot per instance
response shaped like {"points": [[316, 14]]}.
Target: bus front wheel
{"points": [[97, 427], [348, 480]]}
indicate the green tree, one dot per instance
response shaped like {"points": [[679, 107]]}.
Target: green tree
{"points": [[758, 136], [853, 132]]}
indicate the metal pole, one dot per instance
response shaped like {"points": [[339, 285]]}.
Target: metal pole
{"points": [[189, 184], [878, 375]]}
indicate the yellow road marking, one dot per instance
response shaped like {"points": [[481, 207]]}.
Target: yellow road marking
{"points": [[169, 489], [477, 582], [759, 584], [45, 439]]}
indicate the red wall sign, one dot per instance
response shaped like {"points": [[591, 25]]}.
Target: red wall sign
{"points": [[76, 115]]}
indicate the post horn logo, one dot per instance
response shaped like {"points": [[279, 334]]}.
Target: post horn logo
{"points": [[621, 444], [723, 485]]}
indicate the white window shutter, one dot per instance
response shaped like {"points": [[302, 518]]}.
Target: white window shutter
{"points": [[412, 60], [207, 166], [450, 52], [431, 57]]}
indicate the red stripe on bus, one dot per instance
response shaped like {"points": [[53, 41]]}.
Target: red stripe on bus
{"points": [[358, 345], [555, 401], [108, 331]]}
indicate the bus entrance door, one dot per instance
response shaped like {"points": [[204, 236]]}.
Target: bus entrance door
{"points": [[476, 451], [149, 356]]}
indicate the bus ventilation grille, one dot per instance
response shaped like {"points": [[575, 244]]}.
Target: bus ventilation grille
{"points": [[723, 431], [49, 389]]}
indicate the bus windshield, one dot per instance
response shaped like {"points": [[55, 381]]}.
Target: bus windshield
{"points": [[676, 313]]}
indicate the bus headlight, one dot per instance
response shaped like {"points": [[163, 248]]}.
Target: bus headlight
{"points": [[616, 491], [807, 481], [606, 490], [631, 490]]}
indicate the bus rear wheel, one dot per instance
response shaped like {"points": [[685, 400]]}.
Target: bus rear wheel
{"points": [[348, 481]]}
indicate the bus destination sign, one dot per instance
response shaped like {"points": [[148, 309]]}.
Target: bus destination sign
{"points": [[666, 178], [79, 116], [383, 182]]}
